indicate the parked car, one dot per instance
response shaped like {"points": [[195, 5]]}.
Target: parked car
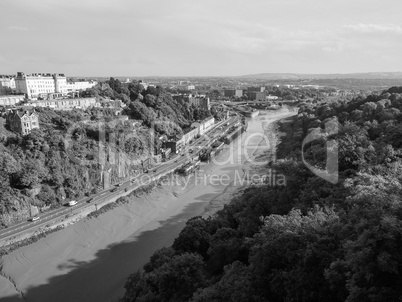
{"points": [[114, 190], [72, 203], [89, 200], [34, 218]]}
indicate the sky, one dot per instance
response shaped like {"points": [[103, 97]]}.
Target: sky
{"points": [[199, 38]]}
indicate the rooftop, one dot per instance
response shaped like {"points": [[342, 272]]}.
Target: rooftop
{"points": [[21, 74], [21, 112]]}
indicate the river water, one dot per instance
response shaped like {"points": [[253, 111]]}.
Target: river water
{"points": [[90, 260]]}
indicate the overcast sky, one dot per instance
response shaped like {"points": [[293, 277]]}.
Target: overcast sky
{"points": [[204, 37]]}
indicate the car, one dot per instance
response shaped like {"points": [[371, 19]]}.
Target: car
{"points": [[154, 170], [126, 189], [114, 190], [72, 203], [118, 185], [34, 218], [89, 200]]}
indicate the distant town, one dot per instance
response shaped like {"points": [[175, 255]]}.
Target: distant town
{"points": [[22, 92]]}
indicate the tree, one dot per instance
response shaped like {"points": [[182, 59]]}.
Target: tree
{"points": [[355, 148], [140, 111], [31, 174], [174, 280], [149, 100], [194, 238], [47, 195], [135, 90], [372, 263], [150, 90], [226, 246], [236, 284], [290, 254]]}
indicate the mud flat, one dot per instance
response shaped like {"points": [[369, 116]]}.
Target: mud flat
{"points": [[91, 260], [258, 147]]}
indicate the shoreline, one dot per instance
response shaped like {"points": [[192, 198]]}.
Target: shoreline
{"points": [[231, 191], [19, 241], [272, 132]]}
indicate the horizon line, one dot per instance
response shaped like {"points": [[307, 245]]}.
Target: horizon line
{"points": [[244, 75], [228, 76]]}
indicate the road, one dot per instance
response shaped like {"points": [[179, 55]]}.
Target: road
{"points": [[47, 218]]}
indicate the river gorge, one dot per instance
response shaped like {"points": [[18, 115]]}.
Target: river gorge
{"points": [[91, 260]]}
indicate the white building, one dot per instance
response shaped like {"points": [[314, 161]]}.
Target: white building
{"points": [[73, 86], [199, 101], [65, 104], [199, 129], [10, 100], [7, 84], [186, 87], [206, 125], [41, 85], [271, 97]]}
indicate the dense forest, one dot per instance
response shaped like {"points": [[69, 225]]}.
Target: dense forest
{"points": [[295, 94], [309, 241], [61, 160]]}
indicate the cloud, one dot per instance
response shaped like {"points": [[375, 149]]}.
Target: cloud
{"points": [[239, 37], [145, 61], [200, 37], [18, 28], [375, 28], [337, 47]]}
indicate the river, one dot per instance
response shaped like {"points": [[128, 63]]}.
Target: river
{"points": [[91, 260]]}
